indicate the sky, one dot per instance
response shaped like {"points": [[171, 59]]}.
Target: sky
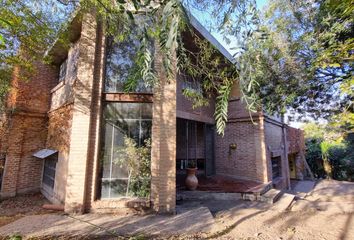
{"points": [[202, 17]]}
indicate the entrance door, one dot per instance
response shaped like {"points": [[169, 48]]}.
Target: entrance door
{"points": [[209, 150], [292, 166]]}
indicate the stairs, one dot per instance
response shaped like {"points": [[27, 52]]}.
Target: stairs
{"points": [[271, 196], [281, 201]]}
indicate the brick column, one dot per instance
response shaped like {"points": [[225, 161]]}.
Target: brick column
{"points": [[163, 155], [13, 158], [77, 164], [261, 152]]}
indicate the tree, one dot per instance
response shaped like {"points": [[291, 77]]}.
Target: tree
{"points": [[306, 61], [27, 28], [329, 151], [165, 22], [298, 54]]}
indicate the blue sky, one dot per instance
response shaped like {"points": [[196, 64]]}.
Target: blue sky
{"points": [[205, 17]]}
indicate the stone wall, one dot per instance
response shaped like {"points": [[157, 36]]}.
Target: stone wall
{"points": [[77, 168], [296, 147], [240, 163], [295, 139]]}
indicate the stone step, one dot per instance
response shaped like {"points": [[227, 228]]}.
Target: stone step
{"points": [[284, 202], [271, 196], [204, 195], [255, 193], [260, 189]]}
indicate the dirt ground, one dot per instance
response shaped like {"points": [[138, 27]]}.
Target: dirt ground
{"points": [[326, 213], [13, 209]]}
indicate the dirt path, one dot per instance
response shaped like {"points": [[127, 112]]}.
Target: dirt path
{"points": [[327, 213], [13, 209]]}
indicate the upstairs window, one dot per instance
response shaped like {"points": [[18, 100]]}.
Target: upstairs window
{"points": [[62, 70], [192, 86], [121, 60]]}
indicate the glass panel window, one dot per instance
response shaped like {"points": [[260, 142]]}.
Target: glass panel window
{"points": [[120, 63], [126, 150], [50, 164]]}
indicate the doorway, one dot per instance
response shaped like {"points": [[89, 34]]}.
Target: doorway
{"points": [[195, 148]]}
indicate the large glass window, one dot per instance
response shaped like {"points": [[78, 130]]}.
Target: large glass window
{"points": [[126, 150], [120, 62]]}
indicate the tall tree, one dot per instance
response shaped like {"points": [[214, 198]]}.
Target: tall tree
{"points": [[27, 28], [298, 54], [306, 61]]}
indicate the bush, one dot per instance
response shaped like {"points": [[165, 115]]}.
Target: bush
{"points": [[331, 159]]}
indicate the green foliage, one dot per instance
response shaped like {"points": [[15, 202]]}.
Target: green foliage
{"points": [[303, 60], [329, 153], [27, 28], [294, 54], [136, 159], [15, 237], [221, 107], [164, 23], [314, 157]]}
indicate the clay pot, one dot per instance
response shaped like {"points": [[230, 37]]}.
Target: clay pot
{"points": [[191, 180]]}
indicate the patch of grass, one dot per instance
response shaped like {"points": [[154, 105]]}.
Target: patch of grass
{"points": [[15, 237], [138, 237]]}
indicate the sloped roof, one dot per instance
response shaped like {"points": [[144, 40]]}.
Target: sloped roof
{"points": [[74, 29], [44, 153], [207, 35]]}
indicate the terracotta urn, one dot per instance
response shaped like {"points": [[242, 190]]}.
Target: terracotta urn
{"points": [[191, 179]]}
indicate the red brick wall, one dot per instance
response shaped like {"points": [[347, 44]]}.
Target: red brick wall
{"points": [[248, 160], [241, 162], [295, 139], [59, 130], [29, 101]]}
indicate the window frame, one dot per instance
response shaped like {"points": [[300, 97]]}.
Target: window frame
{"points": [[111, 179], [53, 158]]}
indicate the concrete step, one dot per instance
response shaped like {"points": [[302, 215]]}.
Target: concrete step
{"points": [[203, 195], [271, 196], [261, 189], [284, 202], [255, 193]]}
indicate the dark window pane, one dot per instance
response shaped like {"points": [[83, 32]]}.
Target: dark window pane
{"points": [[49, 170], [276, 167]]}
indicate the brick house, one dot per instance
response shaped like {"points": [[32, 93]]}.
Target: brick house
{"points": [[66, 123]]}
